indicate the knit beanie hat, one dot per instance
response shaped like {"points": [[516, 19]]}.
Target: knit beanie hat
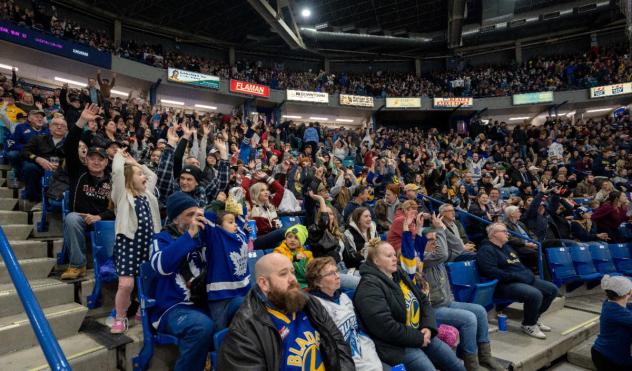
{"points": [[621, 285], [177, 203], [192, 170], [299, 231]]}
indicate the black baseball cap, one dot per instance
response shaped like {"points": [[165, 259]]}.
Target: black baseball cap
{"points": [[97, 150]]}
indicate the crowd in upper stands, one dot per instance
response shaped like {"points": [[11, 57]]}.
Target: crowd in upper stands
{"points": [[592, 68], [206, 175]]}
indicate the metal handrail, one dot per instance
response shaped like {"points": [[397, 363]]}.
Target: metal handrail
{"points": [[487, 222], [52, 351]]}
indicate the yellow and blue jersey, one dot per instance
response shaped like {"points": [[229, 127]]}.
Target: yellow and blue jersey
{"points": [[413, 309], [300, 342]]}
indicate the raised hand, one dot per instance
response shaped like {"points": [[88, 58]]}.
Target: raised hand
{"points": [[172, 136], [90, 113]]}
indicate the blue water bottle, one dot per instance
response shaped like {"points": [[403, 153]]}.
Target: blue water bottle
{"points": [[502, 322], [399, 367]]}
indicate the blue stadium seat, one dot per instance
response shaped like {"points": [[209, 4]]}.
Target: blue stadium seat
{"points": [[582, 200], [145, 284], [625, 232], [103, 239], [467, 285], [621, 256], [218, 338], [561, 265], [253, 258], [383, 236], [48, 205], [602, 258], [62, 256], [582, 260], [288, 221]]}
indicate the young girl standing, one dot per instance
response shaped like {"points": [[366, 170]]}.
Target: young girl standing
{"points": [[137, 219]]}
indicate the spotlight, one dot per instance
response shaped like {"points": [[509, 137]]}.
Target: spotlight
{"points": [[306, 13]]}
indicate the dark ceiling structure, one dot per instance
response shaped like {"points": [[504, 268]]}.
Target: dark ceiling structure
{"points": [[347, 28]]}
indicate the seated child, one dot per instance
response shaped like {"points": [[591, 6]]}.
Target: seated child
{"points": [[292, 247]]}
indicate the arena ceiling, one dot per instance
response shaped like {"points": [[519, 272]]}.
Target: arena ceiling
{"points": [[339, 27]]}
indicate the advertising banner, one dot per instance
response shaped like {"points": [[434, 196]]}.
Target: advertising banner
{"points": [[51, 44], [399, 102], [532, 98], [611, 90], [192, 78], [453, 102], [307, 96], [356, 100], [249, 88]]}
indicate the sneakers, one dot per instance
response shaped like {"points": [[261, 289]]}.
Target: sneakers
{"points": [[533, 331], [544, 327], [73, 273], [119, 326]]}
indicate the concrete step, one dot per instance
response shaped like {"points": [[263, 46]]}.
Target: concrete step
{"points": [[49, 292], [16, 232], [34, 269], [8, 203], [82, 352], [64, 320], [587, 303], [570, 328], [566, 366], [580, 355], [55, 225], [164, 358], [29, 249], [3, 181], [6, 192], [13, 217], [515, 310]]}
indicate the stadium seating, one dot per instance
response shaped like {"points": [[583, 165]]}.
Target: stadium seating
{"points": [[582, 260], [49, 205], [601, 257], [218, 338], [288, 221], [561, 265], [145, 284], [103, 239], [621, 256], [467, 285]]}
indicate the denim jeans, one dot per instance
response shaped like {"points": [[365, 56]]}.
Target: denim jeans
{"points": [[15, 159], [471, 321], [33, 180], [347, 280], [194, 331], [75, 239], [437, 355], [270, 240], [536, 297], [223, 311]]}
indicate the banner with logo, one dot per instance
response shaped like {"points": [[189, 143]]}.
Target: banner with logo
{"points": [[453, 102], [192, 78], [611, 90], [399, 102], [249, 88], [356, 100], [532, 98], [307, 96]]}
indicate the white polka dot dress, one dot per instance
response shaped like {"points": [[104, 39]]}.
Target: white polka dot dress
{"points": [[129, 254]]}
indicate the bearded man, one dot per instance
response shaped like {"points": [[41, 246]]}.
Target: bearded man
{"points": [[280, 327]]}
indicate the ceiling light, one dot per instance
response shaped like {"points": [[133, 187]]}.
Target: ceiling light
{"points": [[292, 117], [306, 13], [344, 120], [68, 81], [119, 92], [174, 102], [599, 110], [519, 118], [318, 118], [205, 106], [7, 67]]}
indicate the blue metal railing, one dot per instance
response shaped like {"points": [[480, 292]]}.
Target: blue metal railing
{"points": [[53, 353], [487, 222]]}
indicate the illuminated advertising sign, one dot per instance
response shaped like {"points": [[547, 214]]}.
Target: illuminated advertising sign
{"points": [[307, 96], [611, 90], [453, 102], [356, 100], [249, 88], [399, 102], [192, 78], [532, 98]]}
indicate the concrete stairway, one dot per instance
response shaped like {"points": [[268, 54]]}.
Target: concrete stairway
{"points": [[20, 349]]}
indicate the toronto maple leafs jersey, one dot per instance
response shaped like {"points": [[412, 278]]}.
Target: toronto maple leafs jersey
{"points": [[362, 347], [168, 252], [228, 275]]}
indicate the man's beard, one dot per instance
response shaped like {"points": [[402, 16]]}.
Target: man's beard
{"points": [[289, 301]]}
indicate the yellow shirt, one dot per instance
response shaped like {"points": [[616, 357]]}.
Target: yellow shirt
{"points": [[413, 309]]}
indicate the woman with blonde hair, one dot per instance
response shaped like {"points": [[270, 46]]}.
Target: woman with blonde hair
{"points": [[265, 196]]}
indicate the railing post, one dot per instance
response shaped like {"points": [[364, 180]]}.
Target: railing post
{"points": [[52, 351]]}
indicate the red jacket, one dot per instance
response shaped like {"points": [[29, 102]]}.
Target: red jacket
{"points": [[394, 236], [608, 217]]}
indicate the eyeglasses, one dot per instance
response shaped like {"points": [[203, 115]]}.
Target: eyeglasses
{"points": [[502, 231], [332, 273]]}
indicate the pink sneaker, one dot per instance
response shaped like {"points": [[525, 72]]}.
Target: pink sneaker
{"points": [[119, 326]]}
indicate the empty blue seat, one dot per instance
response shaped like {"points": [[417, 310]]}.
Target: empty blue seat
{"points": [[625, 232], [48, 204], [145, 284], [582, 260], [561, 265], [103, 238], [288, 221], [218, 338], [621, 256], [602, 258], [467, 285], [253, 258]]}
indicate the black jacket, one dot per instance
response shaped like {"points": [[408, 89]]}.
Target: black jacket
{"points": [[43, 146], [502, 264], [253, 342], [381, 310]]}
